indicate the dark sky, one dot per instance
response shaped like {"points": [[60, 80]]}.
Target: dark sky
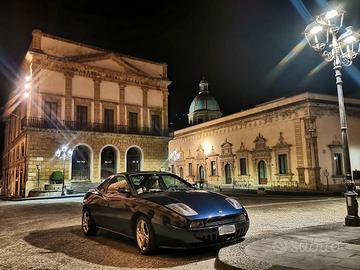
{"points": [[235, 44]]}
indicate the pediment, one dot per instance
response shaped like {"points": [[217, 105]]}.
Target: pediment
{"points": [[109, 61]]}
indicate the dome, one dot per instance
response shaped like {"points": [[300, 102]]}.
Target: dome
{"points": [[204, 101], [204, 106]]}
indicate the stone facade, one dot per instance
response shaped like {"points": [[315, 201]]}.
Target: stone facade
{"points": [[102, 105], [287, 143], [43, 144]]}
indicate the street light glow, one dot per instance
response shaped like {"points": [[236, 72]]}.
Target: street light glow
{"points": [[316, 29], [349, 39], [332, 51], [64, 148], [28, 78], [331, 14], [207, 148], [26, 94], [27, 86]]}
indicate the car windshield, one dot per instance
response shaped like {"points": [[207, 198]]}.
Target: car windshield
{"points": [[158, 182]]}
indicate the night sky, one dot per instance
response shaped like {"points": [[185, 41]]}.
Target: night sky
{"points": [[235, 44]]}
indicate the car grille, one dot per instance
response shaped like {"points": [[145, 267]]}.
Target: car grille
{"points": [[217, 221], [215, 237]]}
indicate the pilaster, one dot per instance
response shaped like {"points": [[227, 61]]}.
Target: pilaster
{"points": [[145, 107], [122, 103], [68, 95], [97, 83], [165, 109]]}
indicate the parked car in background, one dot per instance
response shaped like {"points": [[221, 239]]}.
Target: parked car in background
{"points": [[160, 209]]}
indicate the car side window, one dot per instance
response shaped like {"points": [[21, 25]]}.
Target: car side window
{"points": [[116, 183], [102, 187]]}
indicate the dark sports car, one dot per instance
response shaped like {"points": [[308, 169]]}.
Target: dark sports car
{"points": [[162, 210]]}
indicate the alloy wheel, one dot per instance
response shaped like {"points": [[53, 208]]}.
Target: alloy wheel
{"points": [[142, 234], [85, 221]]}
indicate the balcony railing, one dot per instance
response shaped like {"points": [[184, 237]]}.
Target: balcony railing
{"points": [[33, 122]]}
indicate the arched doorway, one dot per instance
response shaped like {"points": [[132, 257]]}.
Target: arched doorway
{"points": [[80, 163], [133, 160], [262, 174], [181, 171], [108, 162], [228, 179], [201, 174]]}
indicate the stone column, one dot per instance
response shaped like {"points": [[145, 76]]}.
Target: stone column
{"points": [[165, 109], [145, 107], [97, 83], [68, 95], [122, 103]]}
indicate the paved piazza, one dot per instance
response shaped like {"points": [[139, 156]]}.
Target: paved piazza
{"points": [[46, 234]]}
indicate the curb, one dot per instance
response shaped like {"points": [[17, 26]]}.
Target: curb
{"points": [[220, 265], [259, 264], [269, 193], [43, 198]]}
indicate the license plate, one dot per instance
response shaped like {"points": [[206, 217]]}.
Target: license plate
{"points": [[226, 229]]}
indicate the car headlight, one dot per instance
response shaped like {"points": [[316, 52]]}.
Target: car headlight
{"points": [[182, 209], [242, 217], [234, 203], [196, 224]]}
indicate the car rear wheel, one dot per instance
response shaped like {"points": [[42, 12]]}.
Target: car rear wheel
{"points": [[145, 236], [88, 225]]}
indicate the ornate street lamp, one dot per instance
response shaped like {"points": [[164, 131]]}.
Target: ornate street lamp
{"points": [[338, 45], [63, 153]]}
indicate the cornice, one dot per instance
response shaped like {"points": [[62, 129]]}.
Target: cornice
{"points": [[63, 65]]}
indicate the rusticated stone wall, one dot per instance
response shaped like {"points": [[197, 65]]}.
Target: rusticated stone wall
{"points": [[43, 144]]}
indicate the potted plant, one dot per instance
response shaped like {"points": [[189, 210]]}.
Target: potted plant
{"points": [[56, 177]]}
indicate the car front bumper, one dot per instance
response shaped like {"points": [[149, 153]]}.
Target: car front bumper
{"points": [[168, 236]]}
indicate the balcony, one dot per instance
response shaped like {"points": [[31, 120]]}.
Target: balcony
{"points": [[33, 122]]}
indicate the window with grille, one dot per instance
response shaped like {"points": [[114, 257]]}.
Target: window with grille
{"points": [[283, 164], [243, 166]]}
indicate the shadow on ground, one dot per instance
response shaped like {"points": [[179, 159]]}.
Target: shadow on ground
{"points": [[110, 249]]}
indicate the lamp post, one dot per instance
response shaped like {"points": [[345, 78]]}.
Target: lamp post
{"points": [[38, 175], [326, 174], [63, 153], [338, 45]]}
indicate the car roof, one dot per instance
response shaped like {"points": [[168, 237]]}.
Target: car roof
{"points": [[142, 172]]}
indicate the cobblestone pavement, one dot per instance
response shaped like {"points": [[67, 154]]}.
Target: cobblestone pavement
{"points": [[46, 234]]}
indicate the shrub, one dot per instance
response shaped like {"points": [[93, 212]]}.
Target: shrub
{"points": [[56, 177]]}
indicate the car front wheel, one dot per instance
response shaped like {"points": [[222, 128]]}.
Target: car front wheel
{"points": [[88, 225], [145, 237]]}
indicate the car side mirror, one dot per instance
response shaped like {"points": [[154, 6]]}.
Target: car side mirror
{"points": [[124, 191]]}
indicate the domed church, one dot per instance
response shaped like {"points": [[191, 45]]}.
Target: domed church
{"points": [[204, 107]]}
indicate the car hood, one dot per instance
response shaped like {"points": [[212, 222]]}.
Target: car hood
{"points": [[207, 204]]}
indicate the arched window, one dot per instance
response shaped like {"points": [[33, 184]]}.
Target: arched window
{"points": [[133, 160], [80, 163], [108, 161]]}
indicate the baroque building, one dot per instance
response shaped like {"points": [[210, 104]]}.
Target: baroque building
{"points": [[286, 143], [110, 109]]}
